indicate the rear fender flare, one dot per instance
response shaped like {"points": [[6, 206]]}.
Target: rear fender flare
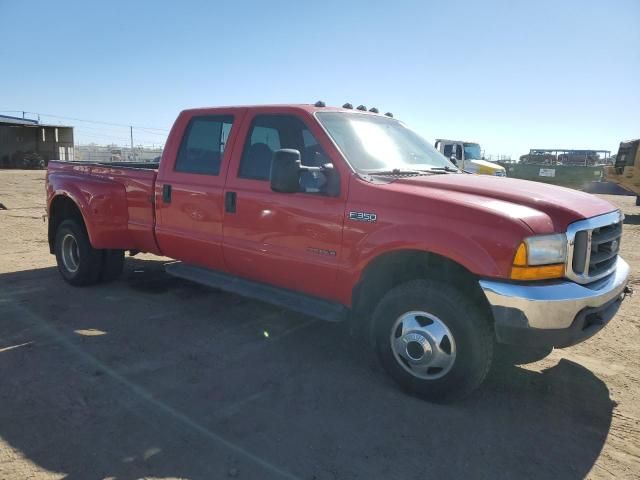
{"points": [[103, 206]]}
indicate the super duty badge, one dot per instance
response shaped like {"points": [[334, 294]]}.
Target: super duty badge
{"points": [[363, 216]]}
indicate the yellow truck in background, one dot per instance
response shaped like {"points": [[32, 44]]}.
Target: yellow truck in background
{"points": [[626, 169], [468, 157]]}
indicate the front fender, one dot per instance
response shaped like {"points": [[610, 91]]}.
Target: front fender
{"points": [[477, 249], [481, 258]]}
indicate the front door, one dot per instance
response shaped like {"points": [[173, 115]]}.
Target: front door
{"points": [[292, 240]]}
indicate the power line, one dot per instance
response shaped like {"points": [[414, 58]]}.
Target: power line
{"points": [[152, 133], [141, 142], [87, 121], [101, 136], [109, 136], [118, 131]]}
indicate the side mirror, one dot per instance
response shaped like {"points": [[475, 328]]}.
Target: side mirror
{"points": [[285, 171], [453, 158]]}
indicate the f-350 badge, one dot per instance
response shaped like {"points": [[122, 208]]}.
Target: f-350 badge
{"points": [[368, 217]]}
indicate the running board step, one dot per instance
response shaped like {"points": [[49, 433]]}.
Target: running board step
{"points": [[298, 302]]}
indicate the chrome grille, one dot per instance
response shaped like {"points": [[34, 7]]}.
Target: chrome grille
{"points": [[593, 246]]}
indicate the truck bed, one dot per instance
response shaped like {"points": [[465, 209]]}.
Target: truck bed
{"points": [[122, 196]]}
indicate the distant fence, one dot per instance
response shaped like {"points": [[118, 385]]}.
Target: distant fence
{"points": [[100, 153]]}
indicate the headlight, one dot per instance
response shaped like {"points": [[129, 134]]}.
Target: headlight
{"points": [[540, 258], [546, 249]]}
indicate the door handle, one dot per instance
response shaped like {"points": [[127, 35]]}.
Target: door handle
{"points": [[166, 193], [230, 202]]}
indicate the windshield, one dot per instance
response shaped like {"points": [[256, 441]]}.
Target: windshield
{"points": [[472, 151], [375, 143]]}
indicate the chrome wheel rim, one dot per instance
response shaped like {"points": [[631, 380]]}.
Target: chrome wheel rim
{"points": [[70, 253], [423, 345]]}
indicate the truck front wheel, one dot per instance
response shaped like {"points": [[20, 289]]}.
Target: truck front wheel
{"points": [[78, 262], [433, 340]]}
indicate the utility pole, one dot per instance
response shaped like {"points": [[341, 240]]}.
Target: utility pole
{"points": [[131, 131]]}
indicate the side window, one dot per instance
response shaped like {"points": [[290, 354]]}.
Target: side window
{"points": [[459, 152], [203, 144], [447, 150], [226, 130], [269, 133], [308, 138], [312, 153]]}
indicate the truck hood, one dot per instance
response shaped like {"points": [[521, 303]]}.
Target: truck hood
{"points": [[544, 208]]}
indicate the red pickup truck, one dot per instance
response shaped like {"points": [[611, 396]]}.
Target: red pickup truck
{"points": [[347, 214]]}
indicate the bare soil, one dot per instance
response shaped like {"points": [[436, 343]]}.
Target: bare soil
{"points": [[153, 377]]}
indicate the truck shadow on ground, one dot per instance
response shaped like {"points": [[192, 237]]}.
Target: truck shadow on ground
{"points": [[633, 219], [153, 376]]}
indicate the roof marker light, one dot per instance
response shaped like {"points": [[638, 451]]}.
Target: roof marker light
{"points": [[319, 103], [348, 105], [388, 114], [362, 108], [374, 110]]}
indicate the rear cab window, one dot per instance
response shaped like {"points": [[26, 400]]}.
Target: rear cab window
{"points": [[203, 144]]}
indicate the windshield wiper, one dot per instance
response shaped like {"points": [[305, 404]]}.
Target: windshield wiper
{"points": [[396, 171], [445, 169]]}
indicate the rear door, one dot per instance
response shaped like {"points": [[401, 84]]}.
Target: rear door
{"points": [[189, 188], [291, 240]]}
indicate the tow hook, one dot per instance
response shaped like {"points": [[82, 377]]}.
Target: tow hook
{"points": [[628, 292]]}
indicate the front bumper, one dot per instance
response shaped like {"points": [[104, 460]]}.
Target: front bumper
{"points": [[560, 313]]}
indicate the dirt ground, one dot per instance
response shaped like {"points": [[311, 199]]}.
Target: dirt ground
{"points": [[153, 377]]}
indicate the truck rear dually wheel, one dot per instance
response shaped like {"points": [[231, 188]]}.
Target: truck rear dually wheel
{"points": [[78, 262], [433, 340]]}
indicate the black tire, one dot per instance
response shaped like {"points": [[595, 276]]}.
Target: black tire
{"points": [[112, 265], [469, 326], [88, 260]]}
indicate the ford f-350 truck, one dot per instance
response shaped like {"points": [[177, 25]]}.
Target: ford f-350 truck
{"points": [[349, 215]]}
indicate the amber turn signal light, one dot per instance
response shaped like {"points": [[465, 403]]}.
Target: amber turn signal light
{"points": [[522, 271], [543, 272], [520, 260]]}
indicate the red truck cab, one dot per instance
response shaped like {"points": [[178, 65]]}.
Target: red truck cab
{"points": [[344, 213]]}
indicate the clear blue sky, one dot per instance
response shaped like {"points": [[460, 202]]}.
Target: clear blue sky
{"points": [[509, 74]]}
